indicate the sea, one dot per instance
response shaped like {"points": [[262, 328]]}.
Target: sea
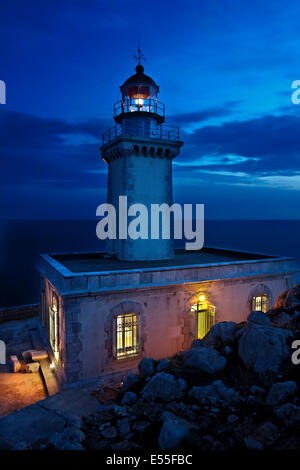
{"points": [[21, 242]]}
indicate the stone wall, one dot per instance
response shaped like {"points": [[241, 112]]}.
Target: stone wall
{"points": [[167, 322]]}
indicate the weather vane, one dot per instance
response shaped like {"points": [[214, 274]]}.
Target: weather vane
{"points": [[140, 55]]}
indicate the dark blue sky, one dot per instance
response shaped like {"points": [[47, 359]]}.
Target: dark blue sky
{"points": [[225, 70]]}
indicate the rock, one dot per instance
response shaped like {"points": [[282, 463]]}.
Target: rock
{"points": [[289, 414], [257, 391], [244, 429], [141, 426], [221, 334], [233, 419], [129, 398], [292, 302], [289, 299], [163, 365], [282, 392], [74, 422], [6, 445], [175, 432], [204, 360], [124, 426], [27, 354], [16, 364], [215, 394], [164, 387], [39, 355], [130, 383], [104, 426], [124, 445], [119, 411], [69, 439], [280, 320], [110, 432], [258, 318], [33, 367], [266, 434], [252, 444], [146, 367], [264, 350], [150, 410], [21, 446], [227, 351]]}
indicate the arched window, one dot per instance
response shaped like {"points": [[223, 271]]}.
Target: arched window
{"points": [[128, 341], [53, 325], [205, 316], [261, 302]]}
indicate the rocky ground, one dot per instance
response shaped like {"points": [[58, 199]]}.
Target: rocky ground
{"points": [[236, 389]]}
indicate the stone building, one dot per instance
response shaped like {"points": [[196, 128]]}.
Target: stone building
{"points": [[103, 312]]}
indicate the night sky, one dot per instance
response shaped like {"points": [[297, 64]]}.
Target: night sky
{"points": [[225, 70]]}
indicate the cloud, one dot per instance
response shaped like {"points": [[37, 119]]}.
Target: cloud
{"points": [[264, 144], [39, 151], [204, 114]]}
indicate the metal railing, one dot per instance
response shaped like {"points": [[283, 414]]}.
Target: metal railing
{"points": [[130, 105], [143, 129]]}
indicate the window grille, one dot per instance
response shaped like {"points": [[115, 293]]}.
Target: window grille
{"points": [[128, 335]]}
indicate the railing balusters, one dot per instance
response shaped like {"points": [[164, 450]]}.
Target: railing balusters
{"points": [[141, 129]]}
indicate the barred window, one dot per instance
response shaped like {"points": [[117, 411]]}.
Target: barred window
{"points": [[205, 317], [261, 303], [128, 335]]}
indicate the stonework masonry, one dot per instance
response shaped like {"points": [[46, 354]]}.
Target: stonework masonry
{"points": [[163, 299]]}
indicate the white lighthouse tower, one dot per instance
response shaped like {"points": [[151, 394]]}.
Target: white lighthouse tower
{"points": [[139, 151]]}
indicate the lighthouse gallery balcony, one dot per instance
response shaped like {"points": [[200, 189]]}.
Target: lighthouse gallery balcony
{"points": [[144, 129]]}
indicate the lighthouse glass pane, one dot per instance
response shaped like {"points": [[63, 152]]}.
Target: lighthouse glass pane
{"points": [[127, 335]]}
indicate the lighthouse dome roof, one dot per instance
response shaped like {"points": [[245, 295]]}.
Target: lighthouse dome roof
{"points": [[139, 78]]}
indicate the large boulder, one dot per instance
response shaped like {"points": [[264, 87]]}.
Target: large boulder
{"points": [[257, 317], [264, 349], [289, 299], [164, 387], [221, 334], [264, 436], [279, 319], [163, 365], [130, 384], [289, 415], [204, 360], [129, 398], [175, 432], [282, 392], [215, 394], [69, 439], [146, 367]]}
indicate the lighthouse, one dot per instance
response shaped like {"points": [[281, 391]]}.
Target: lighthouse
{"points": [[139, 150]]}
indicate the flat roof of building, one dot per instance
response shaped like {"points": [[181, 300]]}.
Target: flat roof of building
{"points": [[101, 262]]}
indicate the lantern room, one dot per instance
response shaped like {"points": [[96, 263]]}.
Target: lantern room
{"points": [[139, 95]]}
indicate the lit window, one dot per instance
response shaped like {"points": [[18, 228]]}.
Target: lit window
{"points": [[205, 317], [128, 335], [53, 325], [261, 303]]}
